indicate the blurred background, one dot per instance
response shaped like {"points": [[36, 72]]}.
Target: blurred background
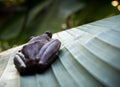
{"points": [[20, 19]]}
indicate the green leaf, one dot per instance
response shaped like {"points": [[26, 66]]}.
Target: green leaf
{"points": [[12, 28], [89, 57], [55, 15], [49, 16]]}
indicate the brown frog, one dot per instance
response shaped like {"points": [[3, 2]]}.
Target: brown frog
{"points": [[37, 55]]}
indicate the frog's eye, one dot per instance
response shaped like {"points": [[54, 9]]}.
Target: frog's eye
{"points": [[49, 34]]}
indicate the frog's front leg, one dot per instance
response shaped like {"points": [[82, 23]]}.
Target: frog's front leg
{"points": [[19, 62]]}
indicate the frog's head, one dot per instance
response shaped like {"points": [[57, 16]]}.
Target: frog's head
{"points": [[49, 34], [43, 37]]}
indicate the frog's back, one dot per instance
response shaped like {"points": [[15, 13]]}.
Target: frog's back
{"points": [[30, 50]]}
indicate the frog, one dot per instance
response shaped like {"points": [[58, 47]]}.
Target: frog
{"points": [[37, 55]]}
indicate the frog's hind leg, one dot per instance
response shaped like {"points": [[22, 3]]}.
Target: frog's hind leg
{"points": [[48, 54], [49, 51], [20, 63]]}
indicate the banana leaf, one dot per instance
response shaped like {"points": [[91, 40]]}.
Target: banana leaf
{"points": [[89, 57]]}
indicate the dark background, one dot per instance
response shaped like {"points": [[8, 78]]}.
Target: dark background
{"points": [[20, 19]]}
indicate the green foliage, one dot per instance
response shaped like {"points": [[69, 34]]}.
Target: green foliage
{"points": [[9, 3], [89, 57], [31, 17]]}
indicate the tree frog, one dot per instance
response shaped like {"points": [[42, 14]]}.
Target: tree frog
{"points": [[37, 55]]}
